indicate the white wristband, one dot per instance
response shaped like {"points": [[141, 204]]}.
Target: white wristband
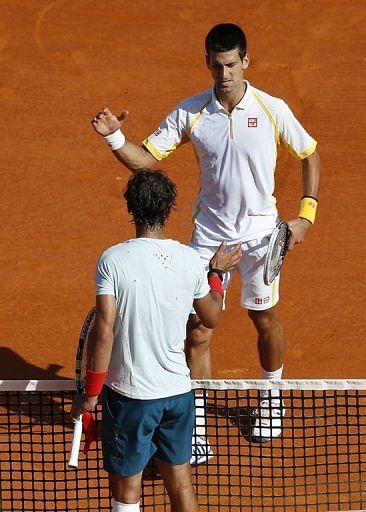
{"points": [[115, 140]]}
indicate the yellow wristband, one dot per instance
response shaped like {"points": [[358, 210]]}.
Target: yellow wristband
{"points": [[308, 208]]}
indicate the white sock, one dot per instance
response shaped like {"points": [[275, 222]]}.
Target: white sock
{"points": [[276, 375], [200, 426], [125, 507]]}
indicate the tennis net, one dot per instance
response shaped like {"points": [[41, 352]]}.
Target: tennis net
{"points": [[318, 463]]}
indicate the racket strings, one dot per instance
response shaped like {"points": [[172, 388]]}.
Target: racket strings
{"points": [[278, 251], [82, 352]]}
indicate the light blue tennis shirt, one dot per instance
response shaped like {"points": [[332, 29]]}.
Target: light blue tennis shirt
{"points": [[154, 283]]}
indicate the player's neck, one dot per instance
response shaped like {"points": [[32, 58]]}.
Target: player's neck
{"points": [[143, 232], [230, 100]]}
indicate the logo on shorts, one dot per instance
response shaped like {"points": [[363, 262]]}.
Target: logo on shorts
{"points": [[157, 132], [260, 300], [252, 122]]}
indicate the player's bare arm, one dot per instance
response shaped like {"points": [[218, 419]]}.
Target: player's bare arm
{"points": [[208, 308], [100, 344], [310, 188], [133, 156]]}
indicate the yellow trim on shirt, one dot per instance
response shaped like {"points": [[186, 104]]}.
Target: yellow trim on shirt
{"points": [[291, 150], [152, 149], [156, 153], [308, 151], [269, 115], [194, 217], [197, 211], [160, 156], [197, 116], [300, 156]]}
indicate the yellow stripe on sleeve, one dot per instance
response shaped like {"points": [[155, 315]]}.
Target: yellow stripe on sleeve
{"points": [[156, 153], [197, 116], [308, 151], [304, 154], [152, 149], [269, 115]]}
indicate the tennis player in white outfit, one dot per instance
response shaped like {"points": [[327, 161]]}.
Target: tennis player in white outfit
{"points": [[235, 129]]}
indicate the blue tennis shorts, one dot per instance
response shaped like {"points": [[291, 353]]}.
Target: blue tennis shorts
{"points": [[136, 430]]}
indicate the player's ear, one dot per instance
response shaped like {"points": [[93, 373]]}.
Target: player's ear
{"points": [[207, 61], [246, 60]]}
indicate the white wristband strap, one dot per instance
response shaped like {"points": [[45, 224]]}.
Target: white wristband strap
{"points": [[115, 140]]}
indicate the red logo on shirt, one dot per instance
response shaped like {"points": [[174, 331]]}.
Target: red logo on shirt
{"points": [[259, 300], [252, 122], [157, 132]]}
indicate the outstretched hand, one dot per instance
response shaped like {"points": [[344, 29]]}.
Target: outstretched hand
{"points": [[106, 123], [224, 259]]}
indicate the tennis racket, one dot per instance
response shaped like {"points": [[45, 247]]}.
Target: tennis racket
{"points": [[277, 248], [80, 371]]}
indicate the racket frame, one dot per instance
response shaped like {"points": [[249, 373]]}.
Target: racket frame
{"points": [[268, 279], [80, 386]]}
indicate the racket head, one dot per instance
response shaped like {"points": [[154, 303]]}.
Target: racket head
{"points": [[277, 248], [82, 351]]}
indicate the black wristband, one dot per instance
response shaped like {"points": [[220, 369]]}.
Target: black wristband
{"points": [[216, 271], [311, 197]]}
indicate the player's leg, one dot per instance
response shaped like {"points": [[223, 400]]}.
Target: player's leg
{"points": [[178, 483], [198, 340], [174, 451], [197, 348], [271, 345], [271, 338], [126, 492], [260, 300], [128, 429], [198, 354]]}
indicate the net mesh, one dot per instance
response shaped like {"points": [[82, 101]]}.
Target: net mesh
{"points": [[318, 463]]}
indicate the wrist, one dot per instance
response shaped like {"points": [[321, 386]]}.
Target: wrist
{"points": [[308, 208], [217, 272], [91, 400], [115, 140], [94, 383], [306, 222], [215, 283]]}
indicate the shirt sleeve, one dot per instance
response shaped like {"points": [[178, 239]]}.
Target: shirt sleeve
{"points": [[169, 135], [296, 139], [103, 278]]}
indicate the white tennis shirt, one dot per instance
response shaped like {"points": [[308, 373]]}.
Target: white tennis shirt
{"points": [[154, 283], [236, 154]]}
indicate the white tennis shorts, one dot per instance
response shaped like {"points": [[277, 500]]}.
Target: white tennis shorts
{"points": [[254, 293]]}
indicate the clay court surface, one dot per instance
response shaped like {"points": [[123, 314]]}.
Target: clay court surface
{"points": [[61, 206]]}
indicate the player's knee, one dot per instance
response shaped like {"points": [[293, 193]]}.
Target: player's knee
{"points": [[263, 320], [125, 489], [182, 496]]}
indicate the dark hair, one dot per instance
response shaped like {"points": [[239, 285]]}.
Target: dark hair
{"points": [[150, 196], [226, 37]]}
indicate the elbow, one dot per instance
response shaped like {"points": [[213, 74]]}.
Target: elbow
{"points": [[137, 168], [104, 339], [210, 325], [211, 322]]}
